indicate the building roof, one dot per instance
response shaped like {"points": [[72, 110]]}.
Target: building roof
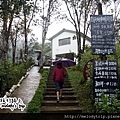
{"points": [[65, 30]]}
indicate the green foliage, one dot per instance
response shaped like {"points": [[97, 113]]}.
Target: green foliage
{"points": [[28, 63], [11, 7], [108, 105], [35, 103], [85, 58], [11, 74], [82, 89], [88, 56]]}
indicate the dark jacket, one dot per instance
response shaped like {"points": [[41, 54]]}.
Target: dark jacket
{"points": [[59, 74]]}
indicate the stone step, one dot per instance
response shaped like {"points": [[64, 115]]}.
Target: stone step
{"points": [[63, 92], [68, 103], [51, 81], [65, 86], [60, 109], [64, 89], [50, 78], [64, 97], [54, 84], [61, 103]]}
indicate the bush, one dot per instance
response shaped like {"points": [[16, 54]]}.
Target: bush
{"points": [[108, 105], [82, 90], [11, 74], [35, 103]]}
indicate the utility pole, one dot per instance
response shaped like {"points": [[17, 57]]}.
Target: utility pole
{"points": [[99, 6]]}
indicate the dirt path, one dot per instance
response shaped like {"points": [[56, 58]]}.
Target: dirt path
{"points": [[26, 90]]}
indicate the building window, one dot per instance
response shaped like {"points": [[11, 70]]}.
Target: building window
{"points": [[64, 41]]}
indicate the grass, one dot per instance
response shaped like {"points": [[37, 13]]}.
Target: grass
{"points": [[82, 89]]}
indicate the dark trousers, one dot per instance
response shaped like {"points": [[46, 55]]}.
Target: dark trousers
{"points": [[58, 85]]}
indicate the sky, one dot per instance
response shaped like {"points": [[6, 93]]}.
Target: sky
{"points": [[58, 26], [52, 30], [55, 27]]}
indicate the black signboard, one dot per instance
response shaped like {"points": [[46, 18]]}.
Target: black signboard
{"points": [[105, 76], [102, 34]]}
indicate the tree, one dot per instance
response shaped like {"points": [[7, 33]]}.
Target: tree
{"points": [[16, 37], [13, 38], [15, 17], [8, 8], [47, 47], [52, 8], [33, 45], [29, 8], [116, 12], [79, 11], [112, 6]]}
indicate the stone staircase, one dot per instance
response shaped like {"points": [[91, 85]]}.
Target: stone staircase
{"points": [[68, 103]]}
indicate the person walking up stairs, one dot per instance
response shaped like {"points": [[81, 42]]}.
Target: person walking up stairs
{"points": [[59, 74]]}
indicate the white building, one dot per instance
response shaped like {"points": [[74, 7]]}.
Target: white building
{"points": [[65, 42]]}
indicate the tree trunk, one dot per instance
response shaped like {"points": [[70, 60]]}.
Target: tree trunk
{"points": [[6, 29], [13, 50], [25, 32], [46, 21], [4, 32], [78, 33], [85, 23], [13, 55]]}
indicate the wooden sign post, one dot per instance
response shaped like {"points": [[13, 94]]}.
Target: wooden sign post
{"points": [[105, 76], [102, 34], [105, 72]]}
